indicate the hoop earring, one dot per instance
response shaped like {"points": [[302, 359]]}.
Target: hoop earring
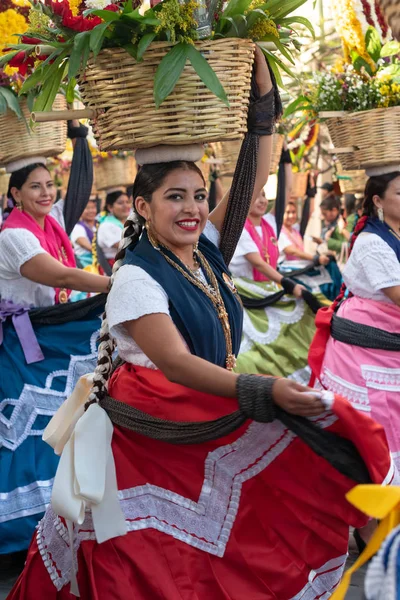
{"points": [[381, 216]]}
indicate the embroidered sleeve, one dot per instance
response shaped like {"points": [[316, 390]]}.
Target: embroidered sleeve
{"points": [[17, 246], [377, 262], [134, 294], [212, 233]]}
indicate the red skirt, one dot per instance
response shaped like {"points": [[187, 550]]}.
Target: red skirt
{"points": [[253, 515]]}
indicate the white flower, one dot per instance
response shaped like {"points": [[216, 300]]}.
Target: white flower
{"points": [[98, 4]]}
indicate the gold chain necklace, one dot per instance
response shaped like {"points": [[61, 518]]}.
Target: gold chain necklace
{"points": [[212, 292]]}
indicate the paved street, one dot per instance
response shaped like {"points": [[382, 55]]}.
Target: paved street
{"points": [[355, 593]]}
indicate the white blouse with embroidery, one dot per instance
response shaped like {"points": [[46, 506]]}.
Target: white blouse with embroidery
{"points": [[17, 246], [372, 267], [135, 294]]}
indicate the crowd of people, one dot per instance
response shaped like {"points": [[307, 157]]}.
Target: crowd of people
{"points": [[183, 472]]}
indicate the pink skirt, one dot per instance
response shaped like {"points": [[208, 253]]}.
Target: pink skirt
{"points": [[370, 379]]}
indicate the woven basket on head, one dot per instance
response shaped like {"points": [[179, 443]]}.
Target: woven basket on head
{"points": [[4, 179], [391, 11], [228, 152], [375, 135], [121, 91], [299, 185], [18, 141], [114, 172], [356, 182]]}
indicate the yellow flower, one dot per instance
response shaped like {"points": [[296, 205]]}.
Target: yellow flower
{"points": [[384, 90], [339, 66], [11, 22], [38, 22], [74, 6], [350, 30], [10, 71], [395, 88], [261, 28], [21, 3]]}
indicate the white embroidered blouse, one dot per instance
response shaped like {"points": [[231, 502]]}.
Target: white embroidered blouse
{"points": [[135, 294], [17, 246], [372, 267]]}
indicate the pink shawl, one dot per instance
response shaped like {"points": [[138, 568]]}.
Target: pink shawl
{"points": [[267, 246], [52, 238], [295, 239]]}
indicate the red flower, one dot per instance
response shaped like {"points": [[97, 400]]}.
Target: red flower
{"points": [[22, 62], [30, 40], [112, 7], [79, 23]]}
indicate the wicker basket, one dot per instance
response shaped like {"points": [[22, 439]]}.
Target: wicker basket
{"points": [[228, 152], [114, 172], [356, 182], [299, 185], [4, 179], [375, 135], [17, 141], [121, 91]]}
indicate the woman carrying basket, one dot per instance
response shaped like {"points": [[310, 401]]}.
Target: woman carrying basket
{"points": [[212, 504]]}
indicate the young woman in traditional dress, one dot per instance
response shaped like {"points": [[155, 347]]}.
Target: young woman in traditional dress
{"points": [[320, 273], [265, 346], [211, 504], [118, 206], [42, 352], [83, 232], [361, 357]]}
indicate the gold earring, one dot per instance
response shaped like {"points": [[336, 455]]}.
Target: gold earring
{"points": [[20, 207], [381, 216]]}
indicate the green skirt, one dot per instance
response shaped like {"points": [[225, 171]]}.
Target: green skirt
{"points": [[275, 339]]}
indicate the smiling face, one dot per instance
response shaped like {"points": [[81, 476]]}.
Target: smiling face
{"points": [[290, 216], [178, 210], [90, 212], [37, 194], [121, 207], [259, 207]]}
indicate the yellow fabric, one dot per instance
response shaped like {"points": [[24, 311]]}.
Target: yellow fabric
{"points": [[379, 502]]}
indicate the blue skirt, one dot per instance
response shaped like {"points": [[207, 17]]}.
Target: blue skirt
{"points": [[29, 397]]}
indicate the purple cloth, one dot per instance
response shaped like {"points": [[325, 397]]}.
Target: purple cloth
{"points": [[23, 327], [89, 232]]}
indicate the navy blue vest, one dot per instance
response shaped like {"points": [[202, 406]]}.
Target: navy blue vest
{"points": [[191, 310], [374, 225]]}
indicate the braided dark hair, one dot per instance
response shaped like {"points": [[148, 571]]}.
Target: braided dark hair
{"points": [[376, 186], [148, 179]]}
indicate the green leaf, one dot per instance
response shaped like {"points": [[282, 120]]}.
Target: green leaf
{"points": [[106, 15], [131, 49], [12, 101], [70, 93], [236, 7], [373, 43], [206, 73], [282, 9], [144, 43], [299, 104], [7, 57], [359, 63], [274, 66], [96, 38], [228, 25], [391, 70], [390, 49], [280, 47], [128, 7], [3, 104], [168, 72], [288, 21], [32, 81], [81, 42], [45, 100]]}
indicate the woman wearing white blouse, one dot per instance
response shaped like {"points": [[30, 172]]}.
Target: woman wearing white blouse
{"points": [[118, 206]]}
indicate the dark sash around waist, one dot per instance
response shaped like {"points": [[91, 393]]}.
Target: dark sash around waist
{"points": [[365, 336]]}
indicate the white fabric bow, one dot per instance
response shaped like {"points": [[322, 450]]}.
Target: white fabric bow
{"points": [[86, 477]]}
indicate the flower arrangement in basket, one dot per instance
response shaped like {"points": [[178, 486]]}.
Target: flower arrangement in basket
{"points": [[360, 101], [189, 57]]}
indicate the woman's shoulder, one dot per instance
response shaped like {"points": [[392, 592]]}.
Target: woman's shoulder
{"points": [[370, 243], [18, 239]]}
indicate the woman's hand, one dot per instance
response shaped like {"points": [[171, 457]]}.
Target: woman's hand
{"points": [[317, 240], [298, 291], [294, 399], [263, 77], [324, 259]]}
